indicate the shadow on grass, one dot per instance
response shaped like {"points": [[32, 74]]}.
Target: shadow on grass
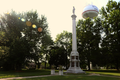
{"points": [[22, 73], [77, 77], [105, 72], [111, 71]]}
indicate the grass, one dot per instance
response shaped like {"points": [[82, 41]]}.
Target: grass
{"points": [[74, 77], [105, 72], [7, 74]]}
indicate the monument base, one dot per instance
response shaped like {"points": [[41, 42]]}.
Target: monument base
{"points": [[74, 70]]}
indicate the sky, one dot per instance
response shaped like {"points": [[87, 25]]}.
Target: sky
{"points": [[57, 12]]}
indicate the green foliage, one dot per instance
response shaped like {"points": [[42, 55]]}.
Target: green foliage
{"points": [[111, 40], [64, 39], [53, 67], [57, 56], [22, 40], [88, 37], [60, 67], [99, 39]]}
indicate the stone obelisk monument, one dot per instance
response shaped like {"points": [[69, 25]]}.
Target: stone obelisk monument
{"points": [[74, 56]]}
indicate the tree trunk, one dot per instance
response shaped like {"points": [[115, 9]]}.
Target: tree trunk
{"points": [[45, 60], [18, 66], [38, 64], [89, 65], [117, 60], [66, 59], [45, 64], [107, 66]]}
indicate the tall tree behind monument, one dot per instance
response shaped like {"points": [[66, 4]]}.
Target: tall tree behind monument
{"points": [[111, 24], [88, 37]]}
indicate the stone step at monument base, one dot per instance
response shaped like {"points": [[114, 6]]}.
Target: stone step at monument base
{"points": [[75, 71]]}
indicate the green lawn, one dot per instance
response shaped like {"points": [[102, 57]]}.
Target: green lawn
{"points": [[7, 74], [105, 72], [74, 77]]}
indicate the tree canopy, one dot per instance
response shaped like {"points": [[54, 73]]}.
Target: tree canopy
{"points": [[111, 27], [22, 35]]}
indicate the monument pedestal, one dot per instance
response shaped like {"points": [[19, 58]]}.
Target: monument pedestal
{"points": [[74, 63], [75, 70]]}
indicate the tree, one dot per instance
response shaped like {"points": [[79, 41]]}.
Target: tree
{"points": [[88, 37], [23, 34], [40, 41], [47, 42], [57, 56], [18, 52], [64, 39], [12, 27], [111, 25]]}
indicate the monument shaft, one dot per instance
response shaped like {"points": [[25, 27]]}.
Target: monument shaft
{"points": [[74, 56], [74, 42]]}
